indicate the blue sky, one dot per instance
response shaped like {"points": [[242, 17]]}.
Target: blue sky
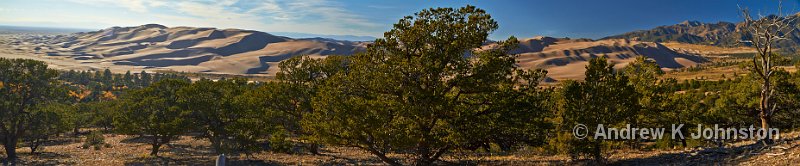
{"points": [[528, 18]]}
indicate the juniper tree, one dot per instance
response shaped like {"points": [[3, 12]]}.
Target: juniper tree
{"points": [[604, 97], [154, 111], [25, 83], [426, 88], [222, 116], [47, 120], [288, 99]]}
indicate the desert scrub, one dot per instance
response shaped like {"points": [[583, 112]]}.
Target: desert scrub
{"points": [[95, 139], [278, 142]]}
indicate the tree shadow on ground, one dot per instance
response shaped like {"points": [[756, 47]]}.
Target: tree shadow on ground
{"points": [[197, 160], [188, 150], [505, 162], [136, 139], [341, 160], [706, 156], [61, 141], [251, 162], [191, 155]]}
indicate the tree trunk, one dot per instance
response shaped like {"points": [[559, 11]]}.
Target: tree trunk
{"points": [[10, 145], [34, 144], [765, 120], [428, 157], [597, 153], [423, 158], [764, 107], [383, 157], [423, 161], [217, 145], [683, 142], [154, 150], [313, 148], [156, 145], [76, 131]]}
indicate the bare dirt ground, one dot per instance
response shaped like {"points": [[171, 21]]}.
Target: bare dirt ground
{"points": [[132, 150]]}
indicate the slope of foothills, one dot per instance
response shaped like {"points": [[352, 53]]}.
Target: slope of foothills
{"points": [[724, 34], [565, 58]]}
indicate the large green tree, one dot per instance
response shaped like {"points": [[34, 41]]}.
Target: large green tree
{"points": [[23, 84], [222, 115], [426, 88], [652, 94], [154, 111], [287, 100], [604, 97], [47, 120]]}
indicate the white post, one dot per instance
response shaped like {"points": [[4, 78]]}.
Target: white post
{"points": [[221, 160]]}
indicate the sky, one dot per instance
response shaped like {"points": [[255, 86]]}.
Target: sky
{"points": [[522, 18]]}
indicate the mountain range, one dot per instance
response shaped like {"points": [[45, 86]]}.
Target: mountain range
{"points": [[725, 34]]}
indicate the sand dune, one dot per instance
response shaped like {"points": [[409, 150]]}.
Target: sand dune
{"points": [[188, 49], [566, 58]]}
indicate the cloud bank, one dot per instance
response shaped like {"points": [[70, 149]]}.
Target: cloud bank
{"points": [[305, 16]]}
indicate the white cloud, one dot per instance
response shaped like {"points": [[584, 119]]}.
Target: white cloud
{"points": [[133, 5], [306, 16], [272, 8], [210, 11], [309, 16], [329, 11]]}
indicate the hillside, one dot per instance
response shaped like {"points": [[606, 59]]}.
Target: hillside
{"points": [[724, 34], [693, 32], [566, 58]]}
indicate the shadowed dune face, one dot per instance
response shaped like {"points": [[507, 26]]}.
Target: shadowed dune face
{"points": [[269, 56], [566, 58]]}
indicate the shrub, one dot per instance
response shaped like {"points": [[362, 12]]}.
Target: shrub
{"points": [[278, 142], [94, 139]]}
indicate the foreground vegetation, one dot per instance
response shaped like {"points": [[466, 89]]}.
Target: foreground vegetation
{"points": [[412, 93]]}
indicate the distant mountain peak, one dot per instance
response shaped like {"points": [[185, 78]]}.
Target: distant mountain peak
{"points": [[694, 32], [691, 23], [722, 33]]}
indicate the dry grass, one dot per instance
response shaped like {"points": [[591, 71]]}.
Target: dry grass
{"points": [[715, 73], [707, 49]]}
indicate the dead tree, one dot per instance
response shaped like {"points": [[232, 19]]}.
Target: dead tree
{"points": [[762, 34]]}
